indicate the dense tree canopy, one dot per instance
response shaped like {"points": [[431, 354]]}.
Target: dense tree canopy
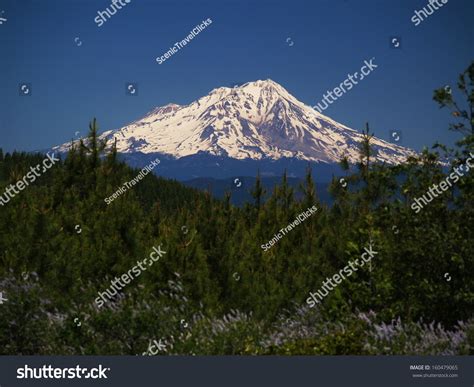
{"points": [[61, 243]]}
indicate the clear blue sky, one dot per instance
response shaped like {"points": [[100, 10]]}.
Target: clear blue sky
{"points": [[246, 41]]}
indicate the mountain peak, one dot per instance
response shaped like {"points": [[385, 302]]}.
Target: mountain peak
{"points": [[256, 120], [171, 107], [259, 84], [264, 84]]}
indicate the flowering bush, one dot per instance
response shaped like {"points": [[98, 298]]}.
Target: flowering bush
{"points": [[129, 323]]}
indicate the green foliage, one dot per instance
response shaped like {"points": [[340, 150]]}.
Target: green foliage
{"points": [[235, 291]]}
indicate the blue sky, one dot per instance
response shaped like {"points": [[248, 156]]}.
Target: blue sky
{"points": [[246, 41]]}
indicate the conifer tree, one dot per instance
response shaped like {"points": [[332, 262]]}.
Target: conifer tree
{"points": [[258, 192]]}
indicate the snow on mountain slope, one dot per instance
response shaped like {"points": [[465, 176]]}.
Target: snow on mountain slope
{"points": [[256, 120]]}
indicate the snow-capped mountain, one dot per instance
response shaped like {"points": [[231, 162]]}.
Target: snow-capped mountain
{"points": [[257, 120]]}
